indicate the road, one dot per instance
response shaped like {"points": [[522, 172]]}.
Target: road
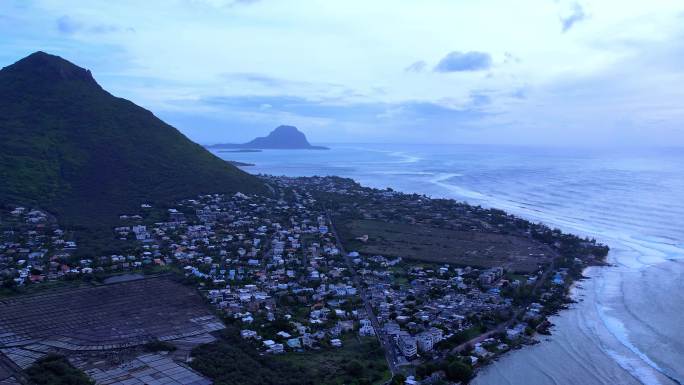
{"points": [[391, 355]]}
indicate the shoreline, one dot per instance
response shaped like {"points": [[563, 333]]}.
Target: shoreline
{"points": [[537, 338], [664, 245]]}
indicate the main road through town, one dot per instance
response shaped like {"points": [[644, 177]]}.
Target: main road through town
{"points": [[391, 354]]}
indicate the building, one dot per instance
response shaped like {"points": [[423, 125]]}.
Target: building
{"points": [[490, 276], [367, 331], [407, 345], [246, 333], [392, 328], [437, 335], [515, 332], [424, 342], [294, 343]]}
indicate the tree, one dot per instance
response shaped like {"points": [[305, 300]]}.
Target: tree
{"points": [[354, 368], [426, 369], [9, 283], [55, 370], [459, 371], [398, 379]]}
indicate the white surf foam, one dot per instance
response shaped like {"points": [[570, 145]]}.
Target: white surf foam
{"points": [[643, 252], [641, 366]]}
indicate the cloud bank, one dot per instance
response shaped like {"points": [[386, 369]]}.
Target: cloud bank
{"points": [[577, 14], [560, 72], [464, 61]]}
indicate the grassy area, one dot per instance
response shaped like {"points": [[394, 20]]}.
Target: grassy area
{"points": [[399, 274], [516, 277], [232, 361], [469, 334], [425, 243], [461, 337], [56, 370], [358, 361], [159, 346]]}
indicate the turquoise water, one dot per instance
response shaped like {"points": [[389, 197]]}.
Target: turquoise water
{"points": [[628, 326]]}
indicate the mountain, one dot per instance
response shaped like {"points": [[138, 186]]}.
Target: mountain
{"points": [[71, 148], [282, 138]]}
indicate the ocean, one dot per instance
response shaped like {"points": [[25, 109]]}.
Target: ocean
{"points": [[627, 326]]}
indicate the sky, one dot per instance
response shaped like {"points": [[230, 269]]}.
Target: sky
{"points": [[525, 72]]}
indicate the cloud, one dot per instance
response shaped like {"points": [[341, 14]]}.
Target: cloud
{"points": [[478, 99], [520, 93], [300, 51], [418, 66], [464, 61], [66, 24], [252, 83], [4, 18], [575, 17], [222, 3], [208, 119], [510, 58], [391, 113], [105, 28], [264, 80]]}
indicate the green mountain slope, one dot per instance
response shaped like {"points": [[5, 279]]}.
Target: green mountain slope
{"points": [[70, 147]]}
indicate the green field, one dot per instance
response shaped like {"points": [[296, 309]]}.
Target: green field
{"points": [[358, 361], [234, 361], [56, 370], [425, 243]]}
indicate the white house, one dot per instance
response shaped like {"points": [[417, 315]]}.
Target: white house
{"points": [[407, 345]]}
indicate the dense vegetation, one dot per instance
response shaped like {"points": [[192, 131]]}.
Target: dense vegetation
{"points": [[461, 337], [73, 149], [56, 370], [159, 346], [232, 361], [455, 369]]}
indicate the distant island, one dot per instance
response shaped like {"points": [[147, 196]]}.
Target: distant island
{"points": [[241, 150], [282, 138]]}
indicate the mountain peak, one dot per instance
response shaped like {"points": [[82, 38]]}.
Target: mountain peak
{"points": [[287, 135], [86, 156], [285, 129], [281, 138], [46, 67]]}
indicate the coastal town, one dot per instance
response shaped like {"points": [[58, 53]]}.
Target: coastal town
{"points": [[441, 288]]}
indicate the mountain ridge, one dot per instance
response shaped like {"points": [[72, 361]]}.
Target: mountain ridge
{"points": [[86, 156]]}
